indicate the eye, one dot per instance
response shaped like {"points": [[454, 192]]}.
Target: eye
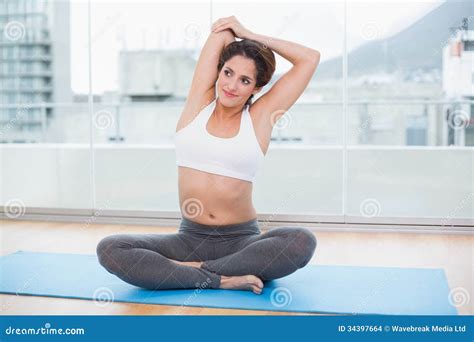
{"points": [[226, 72], [246, 80]]}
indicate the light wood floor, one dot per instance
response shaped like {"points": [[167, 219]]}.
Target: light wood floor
{"points": [[453, 253]]}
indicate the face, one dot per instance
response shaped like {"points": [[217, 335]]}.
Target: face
{"points": [[237, 77]]}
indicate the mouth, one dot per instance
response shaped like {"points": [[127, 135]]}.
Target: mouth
{"points": [[228, 94]]}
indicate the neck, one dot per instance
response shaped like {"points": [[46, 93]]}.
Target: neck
{"points": [[227, 113]]}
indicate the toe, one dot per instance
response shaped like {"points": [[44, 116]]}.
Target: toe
{"points": [[257, 282]]}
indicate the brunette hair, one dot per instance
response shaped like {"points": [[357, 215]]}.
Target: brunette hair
{"points": [[263, 57]]}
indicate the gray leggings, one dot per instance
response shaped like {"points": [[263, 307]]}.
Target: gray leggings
{"points": [[143, 260]]}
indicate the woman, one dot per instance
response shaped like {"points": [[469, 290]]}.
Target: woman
{"points": [[220, 141]]}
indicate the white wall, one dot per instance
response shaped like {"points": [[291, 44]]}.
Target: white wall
{"points": [[399, 182]]}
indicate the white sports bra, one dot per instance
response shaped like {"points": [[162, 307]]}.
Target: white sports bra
{"points": [[236, 157]]}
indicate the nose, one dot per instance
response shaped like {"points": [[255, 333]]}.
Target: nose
{"points": [[233, 85]]}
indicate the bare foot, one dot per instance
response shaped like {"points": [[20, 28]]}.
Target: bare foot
{"points": [[246, 282], [189, 263]]}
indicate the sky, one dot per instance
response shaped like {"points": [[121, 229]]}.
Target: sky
{"points": [[172, 25]]}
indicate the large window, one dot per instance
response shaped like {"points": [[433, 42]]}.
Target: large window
{"points": [[399, 163], [44, 131], [91, 94]]}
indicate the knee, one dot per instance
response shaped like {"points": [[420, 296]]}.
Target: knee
{"points": [[106, 251], [303, 245]]}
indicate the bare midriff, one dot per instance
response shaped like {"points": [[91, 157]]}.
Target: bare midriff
{"points": [[213, 199]]}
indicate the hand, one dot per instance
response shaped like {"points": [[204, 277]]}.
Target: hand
{"points": [[233, 24]]}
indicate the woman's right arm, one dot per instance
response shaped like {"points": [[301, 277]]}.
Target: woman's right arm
{"points": [[205, 75]]}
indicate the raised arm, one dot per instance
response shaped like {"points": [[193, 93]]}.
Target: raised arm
{"points": [[205, 75], [291, 85]]}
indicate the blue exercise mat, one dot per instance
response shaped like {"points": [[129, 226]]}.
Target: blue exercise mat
{"points": [[312, 289]]}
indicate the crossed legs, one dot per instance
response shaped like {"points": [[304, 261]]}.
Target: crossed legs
{"points": [[165, 261], [274, 254]]}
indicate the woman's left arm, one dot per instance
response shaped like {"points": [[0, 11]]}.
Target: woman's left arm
{"points": [[293, 52], [289, 87]]}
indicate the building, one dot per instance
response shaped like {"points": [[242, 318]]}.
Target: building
{"points": [[155, 75], [35, 61], [458, 87]]}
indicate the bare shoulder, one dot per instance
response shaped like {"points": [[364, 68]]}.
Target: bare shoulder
{"points": [[194, 104]]}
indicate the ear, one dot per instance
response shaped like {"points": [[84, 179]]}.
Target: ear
{"points": [[256, 90]]}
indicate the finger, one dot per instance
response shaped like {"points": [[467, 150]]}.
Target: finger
{"points": [[220, 27], [217, 23]]}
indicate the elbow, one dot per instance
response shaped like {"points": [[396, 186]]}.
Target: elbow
{"points": [[226, 35], [314, 56], [311, 57]]}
